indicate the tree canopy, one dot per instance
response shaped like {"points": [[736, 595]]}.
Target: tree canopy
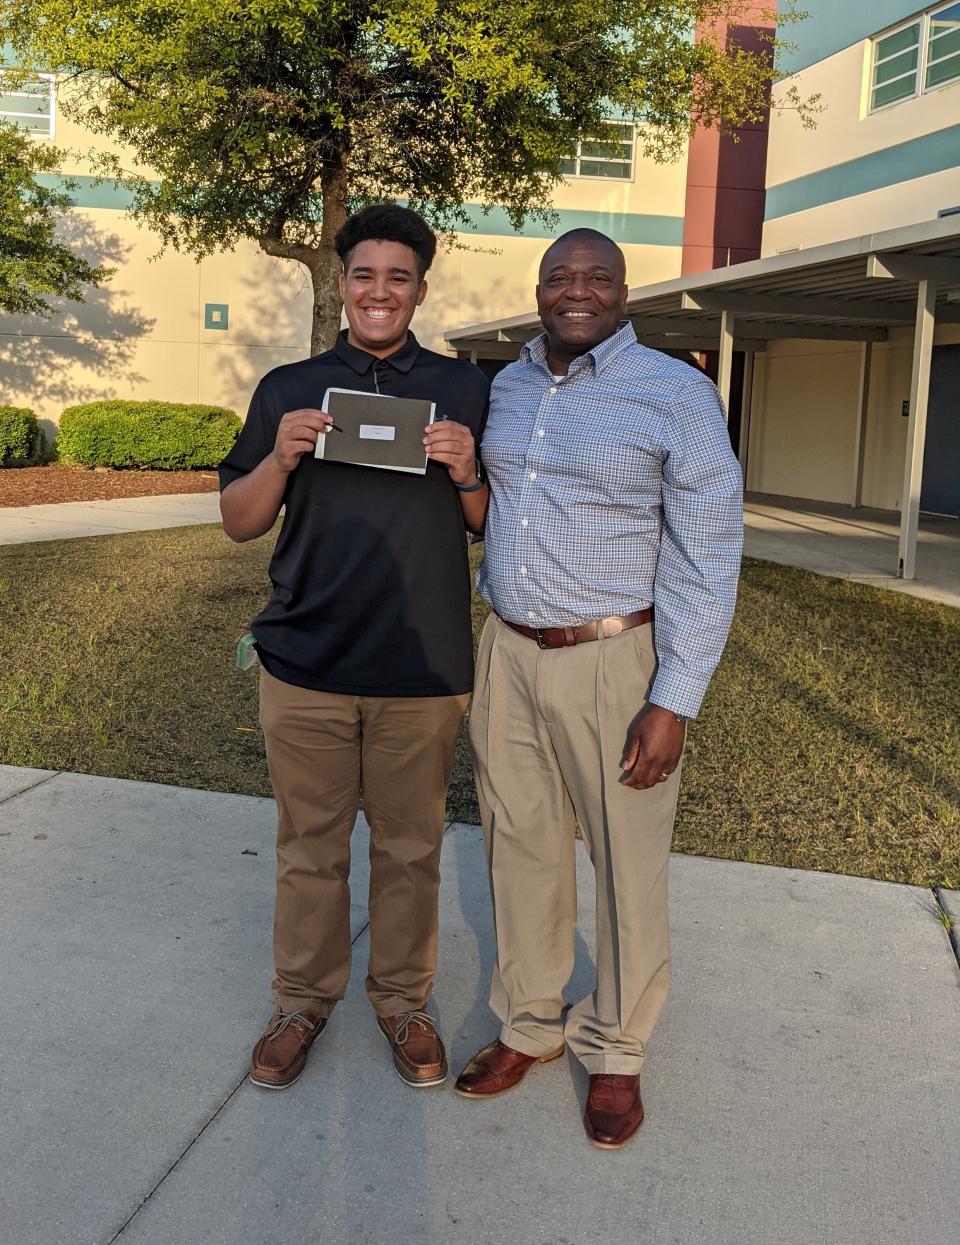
{"points": [[272, 119], [34, 266]]}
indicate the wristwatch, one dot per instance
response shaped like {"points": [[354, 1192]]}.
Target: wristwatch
{"points": [[478, 483]]}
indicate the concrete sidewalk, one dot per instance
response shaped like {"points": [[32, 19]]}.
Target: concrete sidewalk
{"points": [[857, 544], [58, 521], [802, 1088]]}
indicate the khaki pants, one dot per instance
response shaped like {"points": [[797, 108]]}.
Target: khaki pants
{"points": [[548, 728], [321, 748]]}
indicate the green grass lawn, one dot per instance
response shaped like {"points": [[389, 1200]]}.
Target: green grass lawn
{"points": [[830, 738]]}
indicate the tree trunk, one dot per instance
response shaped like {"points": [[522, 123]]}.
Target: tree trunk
{"points": [[322, 261], [327, 303]]}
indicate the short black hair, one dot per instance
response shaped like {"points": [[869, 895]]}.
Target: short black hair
{"points": [[586, 235], [388, 222]]}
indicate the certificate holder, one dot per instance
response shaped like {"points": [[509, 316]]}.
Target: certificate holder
{"points": [[375, 430]]}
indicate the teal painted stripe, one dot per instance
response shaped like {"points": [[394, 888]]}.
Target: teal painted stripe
{"points": [[87, 192], [933, 153], [627, 227], [621, 226], [837, 24]]}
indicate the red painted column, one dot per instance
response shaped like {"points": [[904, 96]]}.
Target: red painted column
{"points": [[723, 213]]}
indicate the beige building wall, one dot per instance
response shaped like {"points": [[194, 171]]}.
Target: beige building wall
{"points": [[803, 429], [846, 131], [143, 334], [906, 203]]}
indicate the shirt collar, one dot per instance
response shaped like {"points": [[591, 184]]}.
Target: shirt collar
{"points": [[361, 361], [535, 351]]}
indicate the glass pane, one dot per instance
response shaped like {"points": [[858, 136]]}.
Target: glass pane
{"points": [[604, 151], [40, 125], [604, 168], [946, 45], [24, 104], [889, 94], [909, 37], [944, 71], [896, 67], [945, 19], [568, 167]]}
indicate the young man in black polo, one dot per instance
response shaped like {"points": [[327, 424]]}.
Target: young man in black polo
{"points": [[365, 648]]}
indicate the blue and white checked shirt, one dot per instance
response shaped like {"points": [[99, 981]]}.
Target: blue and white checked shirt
{"points": [[612, 489]]}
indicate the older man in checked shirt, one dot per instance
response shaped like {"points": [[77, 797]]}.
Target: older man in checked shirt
{"points": [[613, 544]]}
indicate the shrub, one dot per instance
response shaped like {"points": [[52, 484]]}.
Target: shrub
{"points": [[21, 437], [167, 436]]}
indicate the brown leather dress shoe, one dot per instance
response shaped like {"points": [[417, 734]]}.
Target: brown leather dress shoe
{"points": [[281, 1054], [614, 1111], [497, 1069], [418, 1053]]}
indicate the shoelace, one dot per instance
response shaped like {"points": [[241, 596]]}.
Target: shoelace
{"points": [[406, 1019], [287, 1019]]}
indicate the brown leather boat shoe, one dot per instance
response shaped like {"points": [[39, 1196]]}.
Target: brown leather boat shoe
{"points": [[497, 1069], [614, 1111], [281, 1054], [418, 1053]]}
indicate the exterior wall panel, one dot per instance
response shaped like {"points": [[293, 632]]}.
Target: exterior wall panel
{"points": [[805, 404]]}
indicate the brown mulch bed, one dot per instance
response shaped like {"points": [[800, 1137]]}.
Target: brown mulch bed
{"points": [[31, 486]]}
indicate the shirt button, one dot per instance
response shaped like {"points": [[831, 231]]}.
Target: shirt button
{"points": [[533, 475], [553, 389], [540, 432], [523, 570], [523, 522], [531, 614]]}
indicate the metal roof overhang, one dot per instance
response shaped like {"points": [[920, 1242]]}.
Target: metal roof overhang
{"points": [[855, 290]]}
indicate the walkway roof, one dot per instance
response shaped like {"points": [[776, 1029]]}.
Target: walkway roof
{"points": [[857, 290]]}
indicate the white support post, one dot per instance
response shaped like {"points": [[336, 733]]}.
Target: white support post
{"points": [[916, 428], [725, 363], [745, 407], [860, 441]]}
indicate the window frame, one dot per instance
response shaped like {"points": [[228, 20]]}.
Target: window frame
{"points": [[11, 117], [923, 20], [576, 158]]}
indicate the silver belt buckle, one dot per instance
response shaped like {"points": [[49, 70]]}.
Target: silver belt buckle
{"points": [[538, 636]]}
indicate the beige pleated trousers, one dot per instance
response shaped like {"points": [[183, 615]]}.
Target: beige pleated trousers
{"points": [[548, 727]]}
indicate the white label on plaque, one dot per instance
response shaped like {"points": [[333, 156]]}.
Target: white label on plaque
{"points": [[377, 432]]}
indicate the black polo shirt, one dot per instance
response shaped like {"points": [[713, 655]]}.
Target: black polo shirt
{"points": [[371, 585]]}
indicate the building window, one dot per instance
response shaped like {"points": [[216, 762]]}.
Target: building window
{"points": [[604, 157], [943, 46], [30, 106], [919, 56]]}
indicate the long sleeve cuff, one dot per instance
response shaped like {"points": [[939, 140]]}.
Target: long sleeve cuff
{"points": [[679, 690]]}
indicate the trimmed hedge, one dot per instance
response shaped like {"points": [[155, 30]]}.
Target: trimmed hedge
{"points": [[21, 437], [166, 436]]}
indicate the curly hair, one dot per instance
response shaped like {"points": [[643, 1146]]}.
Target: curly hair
{"points": [[387, 222]]}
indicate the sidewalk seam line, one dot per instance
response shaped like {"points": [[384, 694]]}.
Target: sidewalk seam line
{"points": [[190, 1144], [49, 778]]}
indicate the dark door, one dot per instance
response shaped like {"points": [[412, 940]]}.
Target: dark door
{"points": [[940, 491]]}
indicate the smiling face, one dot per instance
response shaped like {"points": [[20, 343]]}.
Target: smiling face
{"points": [[381, 289], [581, 296]]}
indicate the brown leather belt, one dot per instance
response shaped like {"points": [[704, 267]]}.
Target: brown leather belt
{"points": [[600, 629]]}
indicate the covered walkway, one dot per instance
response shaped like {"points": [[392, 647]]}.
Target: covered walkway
{"points": [[853, 543], [858, 290]]}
